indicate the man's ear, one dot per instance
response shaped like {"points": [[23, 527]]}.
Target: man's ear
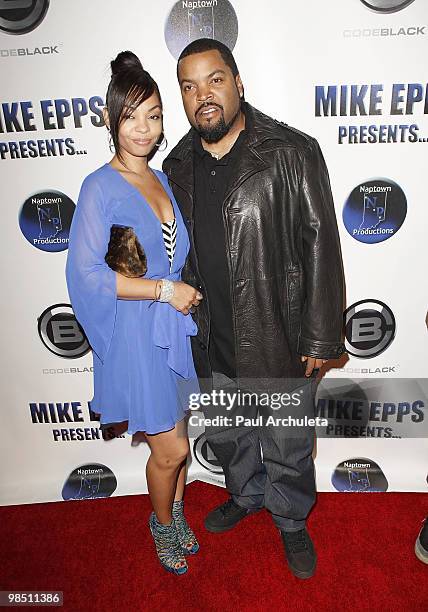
{"points": [[239, 85], [106, 117]]}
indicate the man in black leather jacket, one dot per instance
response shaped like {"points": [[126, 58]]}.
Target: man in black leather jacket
{"points": [[265, 254]]}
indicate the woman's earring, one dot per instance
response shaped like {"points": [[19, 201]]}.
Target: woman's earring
{"points": [[110, 142], [164, 141]]}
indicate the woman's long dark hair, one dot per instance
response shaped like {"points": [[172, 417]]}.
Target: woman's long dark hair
{"points": [[129, 86]]}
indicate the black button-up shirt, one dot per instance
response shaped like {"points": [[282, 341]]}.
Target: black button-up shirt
{"points": [[212, 180]]}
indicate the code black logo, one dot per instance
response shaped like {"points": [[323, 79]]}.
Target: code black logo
{"points": [[386, 6], [369, 328], [61, 333], [205, 456], [22, 16]]}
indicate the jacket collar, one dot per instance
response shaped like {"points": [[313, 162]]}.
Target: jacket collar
{"points": [[261, 129]]}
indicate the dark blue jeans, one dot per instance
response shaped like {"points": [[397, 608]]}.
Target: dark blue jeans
{"points": [[266, 465]]}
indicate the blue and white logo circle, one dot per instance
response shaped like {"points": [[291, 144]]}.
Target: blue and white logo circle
{"points": [[189, 20], [90, 481], [359, 475], [45, 220], [375, 210]]}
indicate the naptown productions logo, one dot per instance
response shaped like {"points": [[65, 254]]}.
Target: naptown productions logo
{"points": [[375, 210], [386, 6], [61, 333], [369, 328], [45, 220], [89, 481], [205, 456], [22, 16], [189, 20], [359, 475]]}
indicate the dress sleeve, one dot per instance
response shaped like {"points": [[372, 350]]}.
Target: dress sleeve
{"points": [[91, 283]]}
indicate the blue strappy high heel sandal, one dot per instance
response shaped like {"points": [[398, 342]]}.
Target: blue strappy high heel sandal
{"points": [[186, 537], [167, 545]]}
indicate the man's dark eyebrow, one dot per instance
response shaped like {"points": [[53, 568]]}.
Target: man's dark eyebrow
{"points": [[186, 80]]}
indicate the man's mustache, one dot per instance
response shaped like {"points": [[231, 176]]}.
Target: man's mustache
{"points": [[205, 104]]}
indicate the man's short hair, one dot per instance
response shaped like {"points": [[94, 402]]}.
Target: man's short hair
{"points": [[208, 44]]}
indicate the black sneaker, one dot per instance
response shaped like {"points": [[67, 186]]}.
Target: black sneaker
{"points": [[226, 516], [300, 553], [421, 546]]}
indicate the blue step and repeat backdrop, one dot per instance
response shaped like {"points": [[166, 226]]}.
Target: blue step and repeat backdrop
{"points": [[353, 74]]}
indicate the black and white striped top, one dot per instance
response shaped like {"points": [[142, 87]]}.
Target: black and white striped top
{"points": [[169, 232]]}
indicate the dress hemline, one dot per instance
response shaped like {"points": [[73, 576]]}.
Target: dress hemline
{"points": [[121, 427]]}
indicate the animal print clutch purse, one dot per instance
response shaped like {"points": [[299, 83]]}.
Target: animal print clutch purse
{"points": [[125, 254]]}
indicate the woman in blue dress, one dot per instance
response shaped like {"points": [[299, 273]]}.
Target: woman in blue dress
{"points": [[139, 328]]}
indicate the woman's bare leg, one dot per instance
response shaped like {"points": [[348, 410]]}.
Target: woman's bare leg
{"points": [[166, 469]]}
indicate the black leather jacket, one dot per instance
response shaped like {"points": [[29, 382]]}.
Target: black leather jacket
{"points": [[283, 250]]}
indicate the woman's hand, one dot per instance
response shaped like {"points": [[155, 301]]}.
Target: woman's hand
{"points": [[185, 297]]}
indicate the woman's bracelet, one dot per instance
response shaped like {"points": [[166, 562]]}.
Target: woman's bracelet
{"points": [[167, 290]]}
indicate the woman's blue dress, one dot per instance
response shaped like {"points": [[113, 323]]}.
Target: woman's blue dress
{"points": [[143, 366]]}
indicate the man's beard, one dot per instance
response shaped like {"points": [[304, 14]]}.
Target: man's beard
{"points": [[214, 133]]}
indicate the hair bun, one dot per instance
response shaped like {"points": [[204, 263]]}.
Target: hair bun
{"points": [[125, 60]]}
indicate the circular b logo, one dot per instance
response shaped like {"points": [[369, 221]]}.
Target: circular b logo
{"points": [[375, 210], [205, 456], [61, 333], [386, 6], [189, 20], [21, 16], [45, 220], [369, 328]]}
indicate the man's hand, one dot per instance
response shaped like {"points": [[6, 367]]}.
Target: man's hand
{"points": [[312, 363]]}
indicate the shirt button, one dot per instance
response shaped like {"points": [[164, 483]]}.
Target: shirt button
{"points": [[212, 172]]}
